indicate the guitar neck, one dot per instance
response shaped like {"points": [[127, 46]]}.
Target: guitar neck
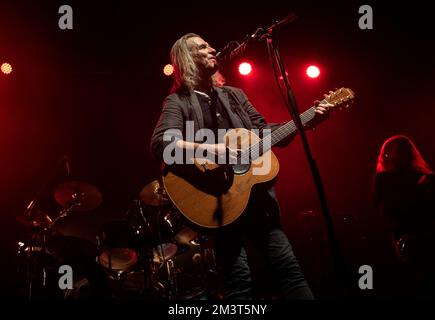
{"points": [[282, 132], [289, 128]]}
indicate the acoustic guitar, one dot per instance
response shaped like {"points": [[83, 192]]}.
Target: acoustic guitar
{"points": [[214, 195]]}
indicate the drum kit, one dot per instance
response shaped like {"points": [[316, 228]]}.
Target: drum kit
{"points": [[151, 253]]}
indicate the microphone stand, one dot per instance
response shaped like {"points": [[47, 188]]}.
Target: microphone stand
{"points": [[268, 34]]}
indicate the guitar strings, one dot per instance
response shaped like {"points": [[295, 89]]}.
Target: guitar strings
{"points": [[277, 135], [244, 156]]}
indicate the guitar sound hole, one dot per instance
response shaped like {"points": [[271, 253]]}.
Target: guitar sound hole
{"points": [[241, 168]]}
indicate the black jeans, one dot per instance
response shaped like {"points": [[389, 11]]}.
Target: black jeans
{"points": [[268, 241]]}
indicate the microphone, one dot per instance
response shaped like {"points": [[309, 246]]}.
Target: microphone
{"points": [[229, 52], [234, 49]]}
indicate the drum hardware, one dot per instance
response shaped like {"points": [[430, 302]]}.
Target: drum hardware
{"points": [[181, 254], [34, 250], [154, 194], [141, 225], [150, 253], [181, 258], [35, 219], [77, 196], [117, 247], [188, 275], [44, 247]]}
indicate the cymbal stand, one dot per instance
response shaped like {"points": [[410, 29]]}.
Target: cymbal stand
{"points": [[63, 213], [30, 212], [30, 259], [208, 264], [150, 272], [76, 203], [168, 263]]}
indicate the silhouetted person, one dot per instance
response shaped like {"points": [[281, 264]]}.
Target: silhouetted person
{"points": [[404, 193]]}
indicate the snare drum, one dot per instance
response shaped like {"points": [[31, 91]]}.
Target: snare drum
{"points": [[117, 246]]}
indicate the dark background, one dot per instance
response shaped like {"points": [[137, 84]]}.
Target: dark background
{"points": [[94, 93]]}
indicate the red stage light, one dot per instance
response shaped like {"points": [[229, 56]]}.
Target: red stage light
{"points": [[168, 70], [313, 72], [245, 68]]}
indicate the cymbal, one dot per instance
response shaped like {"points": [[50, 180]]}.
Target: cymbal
{"points": [[154, 194], [37, 218], [185, 236], [79, 195], [164, 251]]}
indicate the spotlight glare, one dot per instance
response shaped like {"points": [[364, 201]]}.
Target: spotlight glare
{"points": [[313, 72], [168, 70], [245, 68], [6, 68]]}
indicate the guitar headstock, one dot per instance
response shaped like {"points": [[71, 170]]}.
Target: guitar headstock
{"points": [[341, 98]]}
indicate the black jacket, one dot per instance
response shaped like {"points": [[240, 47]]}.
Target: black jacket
{"points": [[179, 108]]}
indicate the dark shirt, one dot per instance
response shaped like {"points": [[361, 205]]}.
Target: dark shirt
{"points": [[406, 199], [215, 117]]}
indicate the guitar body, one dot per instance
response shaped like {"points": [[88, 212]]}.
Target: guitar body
{"points": [[212, 195]]}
